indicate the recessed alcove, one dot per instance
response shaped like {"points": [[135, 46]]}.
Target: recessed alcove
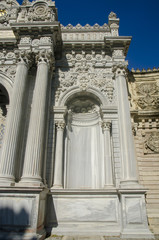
{"points": [[84, 150]]}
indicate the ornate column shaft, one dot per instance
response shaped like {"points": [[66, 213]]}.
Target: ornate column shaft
{"points": [[35, 141], [107, 154], [14, 121], [58, 169], [129, 168]]}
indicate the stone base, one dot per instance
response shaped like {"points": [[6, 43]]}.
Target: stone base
{"points": [[103, 213], [22, 213]]}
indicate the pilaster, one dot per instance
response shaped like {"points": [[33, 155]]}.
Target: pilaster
{"points": [[58, 169], [106, 126]]}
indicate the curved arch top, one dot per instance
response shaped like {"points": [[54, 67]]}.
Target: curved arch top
{"points": [[76, 91], [7, 83]]}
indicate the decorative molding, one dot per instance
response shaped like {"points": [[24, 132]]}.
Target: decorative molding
{"points": [[85, 75]]}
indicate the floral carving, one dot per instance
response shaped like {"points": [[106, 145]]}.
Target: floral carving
{"points": [[153, 142], [149, 96]]}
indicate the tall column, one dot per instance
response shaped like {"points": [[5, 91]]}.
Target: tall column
{"points": [[107, 154], [129, 165], [14, 121], [36, 133], [58, 169]]}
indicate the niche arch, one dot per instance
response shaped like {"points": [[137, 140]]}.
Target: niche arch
{"points": [[84, 145]]}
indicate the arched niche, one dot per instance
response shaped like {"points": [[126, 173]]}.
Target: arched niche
{"points": [[84, 150]]}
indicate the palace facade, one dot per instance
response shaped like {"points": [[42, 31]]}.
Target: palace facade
{"points": [[79, 132]]}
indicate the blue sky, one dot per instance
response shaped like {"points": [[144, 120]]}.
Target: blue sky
{"points": [[138, 18]]}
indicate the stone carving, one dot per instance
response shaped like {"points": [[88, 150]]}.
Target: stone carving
{"points": [[82, 105], [9, 71], [45, 56], [25, 40], [84, 74], [3, 114], [118, 53], [3, 14], [153, 142], [24, 56], [86, 27], [106, 125], [37, 11], [112, 15], [60, 125], [148, 96]]}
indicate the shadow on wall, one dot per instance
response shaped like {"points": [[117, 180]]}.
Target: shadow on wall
{"points": [[13, 225], [51, 218]]}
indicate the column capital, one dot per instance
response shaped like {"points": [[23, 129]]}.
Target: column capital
{"points": [[24, 57], [106, 125], [45, 56], [120, 68], [60, 125]]}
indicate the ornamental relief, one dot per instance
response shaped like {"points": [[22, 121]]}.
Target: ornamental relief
{"points": [[92, 59], [85, 76], [152, 143], [145, 96], [39, 11]]}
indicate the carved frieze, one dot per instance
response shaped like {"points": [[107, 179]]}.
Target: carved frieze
{"points": [[84, 75]]}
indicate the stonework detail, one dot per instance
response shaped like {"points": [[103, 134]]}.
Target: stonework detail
{"points": [[84, 74], [152, 142], [67, 137], [2, 124]]}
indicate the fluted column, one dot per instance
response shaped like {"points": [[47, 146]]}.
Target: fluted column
{"points": [[35, 141], [58, 169], [129, 165], [106, 125], [14, 121]]}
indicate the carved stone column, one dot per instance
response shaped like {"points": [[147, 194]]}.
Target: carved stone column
{"points": [[58, 169], [107, 154], [128, 160], [14, 121], [35, 141]]}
